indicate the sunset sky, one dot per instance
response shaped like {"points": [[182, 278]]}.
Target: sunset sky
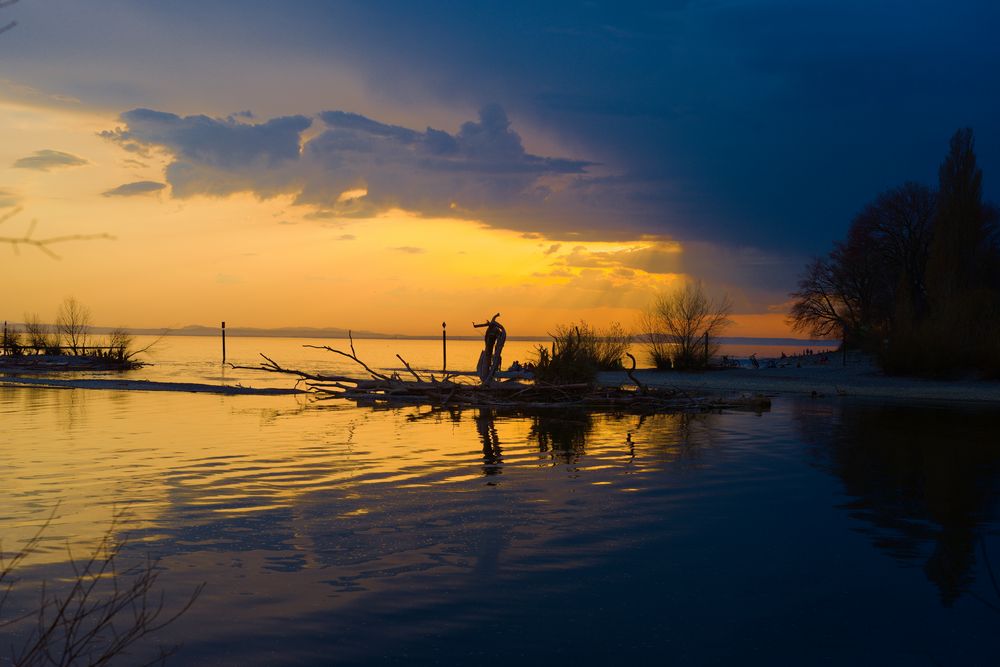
{"points": [[389, 165]]}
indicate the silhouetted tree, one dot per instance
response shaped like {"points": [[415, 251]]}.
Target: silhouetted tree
{"points": [[860, 289], [898, 227], [918, 278], [962, 267]]}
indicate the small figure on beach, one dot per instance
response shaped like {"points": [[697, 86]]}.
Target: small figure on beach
{"points": [[753, 360], [489, 358]]}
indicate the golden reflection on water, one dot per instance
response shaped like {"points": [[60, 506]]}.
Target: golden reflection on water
{"points": [[94, 453]]}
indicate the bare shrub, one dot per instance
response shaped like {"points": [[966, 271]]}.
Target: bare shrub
{"points": [[10, 341], [120, 345], [39, 336], [682, 327]]}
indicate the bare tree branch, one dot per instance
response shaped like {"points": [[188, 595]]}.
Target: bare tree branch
{"points": [[43, 244], [103, 612]]}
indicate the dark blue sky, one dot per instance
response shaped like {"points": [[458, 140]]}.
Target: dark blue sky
{"points": [[742, 124], [759, 122]]}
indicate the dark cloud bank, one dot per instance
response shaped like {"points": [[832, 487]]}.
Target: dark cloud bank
{"points": [[481, 171]]}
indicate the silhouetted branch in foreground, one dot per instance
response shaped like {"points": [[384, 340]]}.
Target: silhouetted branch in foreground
{"points": [[7, 3], [43, 244], [100, 615]]}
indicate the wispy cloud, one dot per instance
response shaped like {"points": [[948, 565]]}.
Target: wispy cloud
{"points": [[410, 250], [133, 189], [47, 159], [8, 198]]}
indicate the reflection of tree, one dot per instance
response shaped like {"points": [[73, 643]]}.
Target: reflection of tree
{"points": [[562, 434], [672, 437], [924, 480]]}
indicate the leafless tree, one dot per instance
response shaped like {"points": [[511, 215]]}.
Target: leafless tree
{"points": [[875, 277], [819, 309], [73, 325], [682, 326]]}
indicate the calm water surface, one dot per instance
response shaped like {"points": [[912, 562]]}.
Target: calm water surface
{"points": [[822, 532]]}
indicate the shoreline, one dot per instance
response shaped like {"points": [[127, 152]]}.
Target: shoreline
{"points": [[860, 380], [147, 385]]}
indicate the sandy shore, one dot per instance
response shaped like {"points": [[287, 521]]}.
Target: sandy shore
{"points": [[859, 378]]}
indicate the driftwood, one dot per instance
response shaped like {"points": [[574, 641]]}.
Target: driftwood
{"points": [[459, 390], [491, 358]]}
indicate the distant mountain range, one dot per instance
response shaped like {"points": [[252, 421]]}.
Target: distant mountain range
{"points": [[334, 332]]}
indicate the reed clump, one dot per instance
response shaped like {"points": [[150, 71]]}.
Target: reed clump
{"points": [[579, 351]]}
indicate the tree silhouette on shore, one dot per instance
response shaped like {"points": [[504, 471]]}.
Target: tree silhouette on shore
{"points": [[917, 280]]}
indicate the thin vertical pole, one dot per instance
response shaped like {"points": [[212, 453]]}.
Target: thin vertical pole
{"points": [[5, 336], [444, 347], [223, 343]]}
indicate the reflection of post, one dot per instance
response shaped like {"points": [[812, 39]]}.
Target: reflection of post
{"points": [[444, 347], [492, 454], [223, 343]]}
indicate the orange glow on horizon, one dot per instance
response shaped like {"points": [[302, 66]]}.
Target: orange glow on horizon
{"points": [[269, 263]]}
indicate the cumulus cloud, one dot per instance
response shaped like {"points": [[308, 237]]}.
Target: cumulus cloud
{"points": [[136, 188], [656, 257], [479, 171], [47, 159], [482, 170], [217, 156]]}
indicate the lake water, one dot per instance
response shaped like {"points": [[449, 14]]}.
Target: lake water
{"points": [[825, 531]]}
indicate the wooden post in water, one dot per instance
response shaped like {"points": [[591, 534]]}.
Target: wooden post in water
{"points": [[223, 343], [444, 347]]}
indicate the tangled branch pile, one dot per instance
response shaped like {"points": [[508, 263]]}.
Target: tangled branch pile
{"points": [[457, 390]]}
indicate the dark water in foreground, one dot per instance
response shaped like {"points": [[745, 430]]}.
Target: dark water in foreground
{"points": [[823, 532]]}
